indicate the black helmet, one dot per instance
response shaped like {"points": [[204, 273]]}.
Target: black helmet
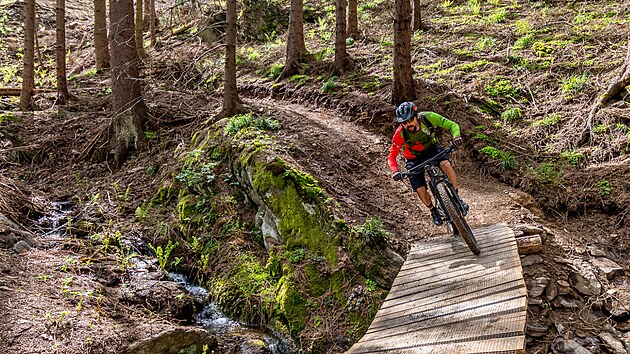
{"points": [[406, 111]]}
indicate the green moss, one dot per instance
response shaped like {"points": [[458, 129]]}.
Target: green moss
{"points": [[291, 305], [298, 227], [318, 283]]}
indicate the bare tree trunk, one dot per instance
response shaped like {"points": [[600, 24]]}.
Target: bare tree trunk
{"points": [[129, 108], [232, 103], [417, 16], [152, 21], [340, 38], [62, 84], [353, 31], [404, 88], [139, 25], [28, 72], [101, 50], [296, 48]]}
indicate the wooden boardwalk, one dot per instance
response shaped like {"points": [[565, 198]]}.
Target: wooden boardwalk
{"points": [[447, 300]]}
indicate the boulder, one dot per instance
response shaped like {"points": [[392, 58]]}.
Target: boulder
{"points": [[617, 301], [531, 260], [584, 280], [564, 346], [537, 286], [612, 343], [606, 267], [162, 296], [551, 291], [175, 341], [537, 329]]}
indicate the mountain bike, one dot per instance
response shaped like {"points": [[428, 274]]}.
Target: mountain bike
{"points": [[449, 204]]}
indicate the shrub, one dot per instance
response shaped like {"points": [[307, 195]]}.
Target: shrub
{"points": [[238, 122], [551, 120], [501, 87], [329, 85], [512, 114], [605, 188], [574, 83], [275, 70], [524, 41], [372, 232], [485, 42], [506, 159], [547, 174], [573, 157]]}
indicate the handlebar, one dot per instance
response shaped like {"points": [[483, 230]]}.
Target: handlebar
{"points": [[420, 168]]}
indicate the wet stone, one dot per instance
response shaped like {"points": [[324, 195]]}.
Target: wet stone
{"points": [[531, 260], [537, 286], [21, 247], [612, 343], [551, 291], [537, 329], [564, 346]]}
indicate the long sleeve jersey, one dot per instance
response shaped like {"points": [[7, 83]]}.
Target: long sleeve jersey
{"points": [[420, 140]]}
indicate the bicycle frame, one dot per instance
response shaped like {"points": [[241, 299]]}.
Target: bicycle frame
{"points": [[436, 176]]}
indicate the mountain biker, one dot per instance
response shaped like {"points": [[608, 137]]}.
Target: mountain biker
{"points": [[416, 137]]}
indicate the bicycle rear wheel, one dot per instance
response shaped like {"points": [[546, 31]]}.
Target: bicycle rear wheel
{"points": [[458, 219]]}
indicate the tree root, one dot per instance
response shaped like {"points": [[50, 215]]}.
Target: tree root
{"points": [[621, 81]]}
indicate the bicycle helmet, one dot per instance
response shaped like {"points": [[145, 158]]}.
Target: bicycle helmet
{"points": [[406, 111]]}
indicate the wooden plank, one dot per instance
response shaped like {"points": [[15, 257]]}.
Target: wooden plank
{"points": [[427, 260], [507, 345], [479, 278], [485, 329], [506, 302], [447, 300], [452, 250], [465, 292], [466, 272], [450, 265]]}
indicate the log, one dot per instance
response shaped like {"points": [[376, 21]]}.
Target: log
{"points": [[16, 91], [529, 244]]}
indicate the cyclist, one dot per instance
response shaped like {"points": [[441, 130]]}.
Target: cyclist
{"points": [[416, 138]]}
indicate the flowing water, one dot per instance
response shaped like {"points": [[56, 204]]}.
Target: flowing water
{"points": [[57, 220], [216, 322]]}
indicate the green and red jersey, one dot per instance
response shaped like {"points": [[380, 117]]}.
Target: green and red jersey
{"points": [[414, 143]]}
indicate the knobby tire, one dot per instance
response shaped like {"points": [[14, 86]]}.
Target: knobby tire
{"points": [[458, 219]]}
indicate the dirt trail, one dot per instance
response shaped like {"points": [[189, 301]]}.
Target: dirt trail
{"points": [[350, 163]]}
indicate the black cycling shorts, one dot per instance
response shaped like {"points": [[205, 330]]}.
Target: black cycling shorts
{"points": [[418, 180]]}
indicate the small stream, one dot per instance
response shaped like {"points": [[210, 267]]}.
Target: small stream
{"points": [[216, 322], [57, 220], [210, 317]]}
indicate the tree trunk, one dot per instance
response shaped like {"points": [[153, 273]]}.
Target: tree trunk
{"points": [[417, 16], [28, 72], [340, 37], [404, 87], [62, 84], [232, 103], [139, 25], [353, 31], [101, 50], [129, 108], [152, 21], [296, 49]]}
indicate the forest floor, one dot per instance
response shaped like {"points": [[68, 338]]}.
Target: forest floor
{"points": [[55, 301], [61, 297]]}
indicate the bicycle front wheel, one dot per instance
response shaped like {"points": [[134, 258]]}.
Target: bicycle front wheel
{"points": [[458, 218]]}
